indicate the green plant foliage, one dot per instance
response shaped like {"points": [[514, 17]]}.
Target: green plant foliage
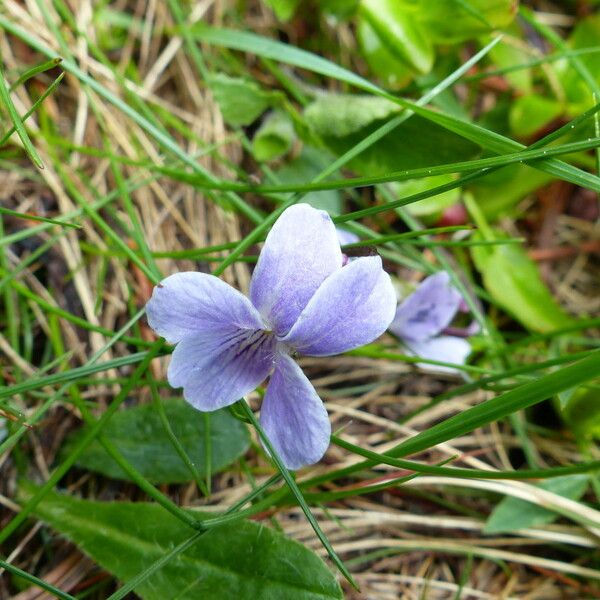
{"points": [[284, 9], [512, 514], [529, 114], [343, 120], [139, 435], [514, 282], [395, 22], [274, 137], [432, 207], [241, 560], [499, 193], [585, 35], [580, 408], [458, 20], [393, 72], [241, 101], [306, 167]]}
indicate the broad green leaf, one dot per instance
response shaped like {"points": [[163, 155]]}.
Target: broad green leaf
{"points": [[241, 101], [242, 560], [429, 207], [283, 9], [274, 137], [529, 114], [341, 115], [513, 513], [585, 35], [139, 435], [392, 71], [343, 120], [306, 167], [458, 20], [499, 193], [506, 55], [580, 408], [514, 282], [395, 22]]}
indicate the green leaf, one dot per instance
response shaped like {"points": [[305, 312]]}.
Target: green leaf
{"points": [[141, 438], [306, 167], [241, 101], [499, 193], [242, 560], [458, 20], [393, 72], [429, 207], [529, 114], [513, 513], [514, 282], [395, 22], [343, 120], [580, 408], [283, 9], [585, 35], [274, 137]]}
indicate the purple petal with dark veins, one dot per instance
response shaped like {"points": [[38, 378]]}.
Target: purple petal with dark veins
{"points": [[187, 304], [216, 369]]}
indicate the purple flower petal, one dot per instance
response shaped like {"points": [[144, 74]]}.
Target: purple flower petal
{"points": [[346, 237], [294, 417], [428, 310], [352, 307], [444, 348], [216, 369], [300, 252], [191, 303]]}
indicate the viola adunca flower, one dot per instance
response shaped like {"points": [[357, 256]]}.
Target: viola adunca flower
{"points": [[302, 301]]}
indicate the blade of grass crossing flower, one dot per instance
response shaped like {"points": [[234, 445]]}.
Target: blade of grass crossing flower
{"points": [[44, 585], [295, 490], [18, 123]]}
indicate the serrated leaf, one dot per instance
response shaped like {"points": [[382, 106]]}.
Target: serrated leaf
{"points": [[242, 560], [513, 280], [513, 513], [139, 435], [241, 101]]}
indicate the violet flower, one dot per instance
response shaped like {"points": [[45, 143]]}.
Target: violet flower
{"points": [[302, 300], [422, 319]]}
